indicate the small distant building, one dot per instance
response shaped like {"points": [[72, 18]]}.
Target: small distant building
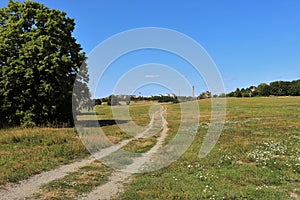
{"points": [[172, 95], [253, 89]]}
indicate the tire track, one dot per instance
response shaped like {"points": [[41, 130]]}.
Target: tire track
{"points": [[118, 179], [26, 188]]}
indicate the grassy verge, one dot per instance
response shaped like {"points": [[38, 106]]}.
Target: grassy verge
{"points": [[75, 184], [25, 152]]}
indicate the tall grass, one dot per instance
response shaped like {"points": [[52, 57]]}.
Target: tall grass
{"points": [[25, 152]]}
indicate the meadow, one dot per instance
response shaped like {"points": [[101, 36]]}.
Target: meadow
{"points": [[256, 157], [25, 152]]}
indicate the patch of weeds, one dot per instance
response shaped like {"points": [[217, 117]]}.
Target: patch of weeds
{"points": [[25, 152], [76, 183], [226, 159], [275, 155], [140, 145]]}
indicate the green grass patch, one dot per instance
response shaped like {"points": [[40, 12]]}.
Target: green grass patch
{"points": [[256, 157], [25, 152], [140, 145], [77, 183]]}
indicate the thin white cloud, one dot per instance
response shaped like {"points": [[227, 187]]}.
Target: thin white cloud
{"points": [[152, 76]]}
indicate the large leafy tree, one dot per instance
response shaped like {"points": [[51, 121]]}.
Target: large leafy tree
{"points": [[264, 89], [279, 88], [39, 61], [294, 88]]}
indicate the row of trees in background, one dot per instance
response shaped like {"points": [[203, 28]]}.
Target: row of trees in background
{"points": [[160, 99], [114, 100], [276, 88]]}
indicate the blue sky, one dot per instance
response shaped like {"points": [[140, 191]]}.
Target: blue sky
{"points": [[250, 41]]}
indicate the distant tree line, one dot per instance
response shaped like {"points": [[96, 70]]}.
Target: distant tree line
{"points": [[114, 100], [276, 88], [162, 99]]}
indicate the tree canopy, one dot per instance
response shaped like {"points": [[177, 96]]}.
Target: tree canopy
{"points": [[276, 88], [39, 61]]}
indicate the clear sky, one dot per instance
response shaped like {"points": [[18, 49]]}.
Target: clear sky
{"points": [[250, 41]]}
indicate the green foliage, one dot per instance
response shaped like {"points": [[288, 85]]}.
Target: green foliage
{"points": [[113, 100], [39, 61], [164, 99], [279, 88], [276, 88], [160, 99], [264, 89], [98, 101], [294, 88]]}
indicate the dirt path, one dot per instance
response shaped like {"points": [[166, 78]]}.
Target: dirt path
{"points": [[119, 178], [28, 187], [295, 196]]}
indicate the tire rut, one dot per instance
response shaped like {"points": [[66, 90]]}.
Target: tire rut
{"points": [[26, 188]]}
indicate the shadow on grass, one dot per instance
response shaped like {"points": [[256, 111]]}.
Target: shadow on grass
{"points": [[87, 113], [97, 123]]}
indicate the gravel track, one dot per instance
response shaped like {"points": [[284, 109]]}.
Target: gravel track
{"points": [[119, 178]]}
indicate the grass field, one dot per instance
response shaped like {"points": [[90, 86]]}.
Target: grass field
{"points": [[256, 157], [24, 152]]}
